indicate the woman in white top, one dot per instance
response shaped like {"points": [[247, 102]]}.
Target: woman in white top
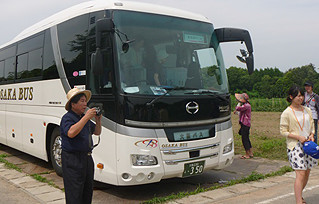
{"points": [[297, 125]]}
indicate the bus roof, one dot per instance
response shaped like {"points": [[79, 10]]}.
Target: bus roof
{"points": [[96, 5]]}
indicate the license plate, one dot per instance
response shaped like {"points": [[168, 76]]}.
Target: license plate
{"points": [[192, 169], [191, 135]]}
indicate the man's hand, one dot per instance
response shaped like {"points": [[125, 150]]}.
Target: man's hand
{"points": [[90, 113], [98, 127], [98, 118]]}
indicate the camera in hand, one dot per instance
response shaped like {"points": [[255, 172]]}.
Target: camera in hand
{"points": [[98, 108], [98, 111]]}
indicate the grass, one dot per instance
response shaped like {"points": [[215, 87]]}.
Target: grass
{"points": [[37, 177], [8, 164], [42, 179], [252, 177], [263, 146]]}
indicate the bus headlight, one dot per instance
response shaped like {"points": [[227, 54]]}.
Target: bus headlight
{"points": [[228, 148], [143, 160]]}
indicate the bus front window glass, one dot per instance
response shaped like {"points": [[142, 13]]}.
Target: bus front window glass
{"points": [[211, 72], [167, 52]]}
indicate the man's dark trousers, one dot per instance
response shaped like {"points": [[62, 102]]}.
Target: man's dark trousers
{"points": [[78, 173]]}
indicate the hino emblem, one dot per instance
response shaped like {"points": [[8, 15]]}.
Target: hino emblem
{"points": [[192, 107]]}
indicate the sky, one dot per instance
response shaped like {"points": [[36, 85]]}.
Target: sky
{"points": [[285, 33]]}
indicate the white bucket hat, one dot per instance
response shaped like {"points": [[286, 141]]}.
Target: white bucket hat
{"points": [[75, 91]]}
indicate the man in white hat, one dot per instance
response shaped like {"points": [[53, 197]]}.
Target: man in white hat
{"points": [[77, 163]]}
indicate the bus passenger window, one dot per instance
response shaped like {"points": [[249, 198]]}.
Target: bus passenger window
{"points": [[49, 67], [22, 66], [1, 71], [72, 41], [9, 69], [29, 64], [35, 63]]}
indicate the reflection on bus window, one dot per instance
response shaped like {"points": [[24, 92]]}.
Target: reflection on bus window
{"points": [[9, 69], [180, 53], [72, 41]]}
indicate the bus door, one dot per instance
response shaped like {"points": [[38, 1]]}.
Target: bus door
{"points": [[102, 86]]}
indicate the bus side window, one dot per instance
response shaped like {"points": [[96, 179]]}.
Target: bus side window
{"points": [[29, 65], [9, 69], [7, 62], [22, 66], [1, 71], [35, 63], [72, 41], [49, 67], [29, 58]]}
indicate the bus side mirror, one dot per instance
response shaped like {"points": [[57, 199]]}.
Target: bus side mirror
{"points": [[250, 63], [102, 25], [235, 34]]}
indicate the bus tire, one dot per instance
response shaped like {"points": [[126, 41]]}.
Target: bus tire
{"points": [[56, 151]]}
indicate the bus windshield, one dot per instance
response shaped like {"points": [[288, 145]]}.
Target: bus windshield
{"points": [[168, 53]]}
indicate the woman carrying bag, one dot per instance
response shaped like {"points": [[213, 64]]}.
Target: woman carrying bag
{"points": [[296, 124]]}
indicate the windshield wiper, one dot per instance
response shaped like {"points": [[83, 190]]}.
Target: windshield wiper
{"points": [[168, 90], [209, 92]]}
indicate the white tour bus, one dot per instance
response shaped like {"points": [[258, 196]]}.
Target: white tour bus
{"points": [[157, 73]]}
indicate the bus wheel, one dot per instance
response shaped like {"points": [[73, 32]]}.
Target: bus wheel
{"points": [[56, 150]]}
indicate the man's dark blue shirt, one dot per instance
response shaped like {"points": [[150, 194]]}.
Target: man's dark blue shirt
{"points": [[79, 143]]}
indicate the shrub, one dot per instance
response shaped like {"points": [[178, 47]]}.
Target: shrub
{"points": [[264, 105]]}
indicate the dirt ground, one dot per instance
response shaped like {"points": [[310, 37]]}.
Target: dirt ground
{"points": [[262, 123]]}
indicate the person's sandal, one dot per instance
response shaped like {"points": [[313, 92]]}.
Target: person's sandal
{"points": [[303, 201]]}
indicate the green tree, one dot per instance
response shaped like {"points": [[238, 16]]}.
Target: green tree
{"points": [[301, 74], [271, 82], [265, 86], [235, 79]]}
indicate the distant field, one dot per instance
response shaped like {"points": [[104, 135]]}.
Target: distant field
{"points": [[262, 123], [264, 105], [264, 136]]}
